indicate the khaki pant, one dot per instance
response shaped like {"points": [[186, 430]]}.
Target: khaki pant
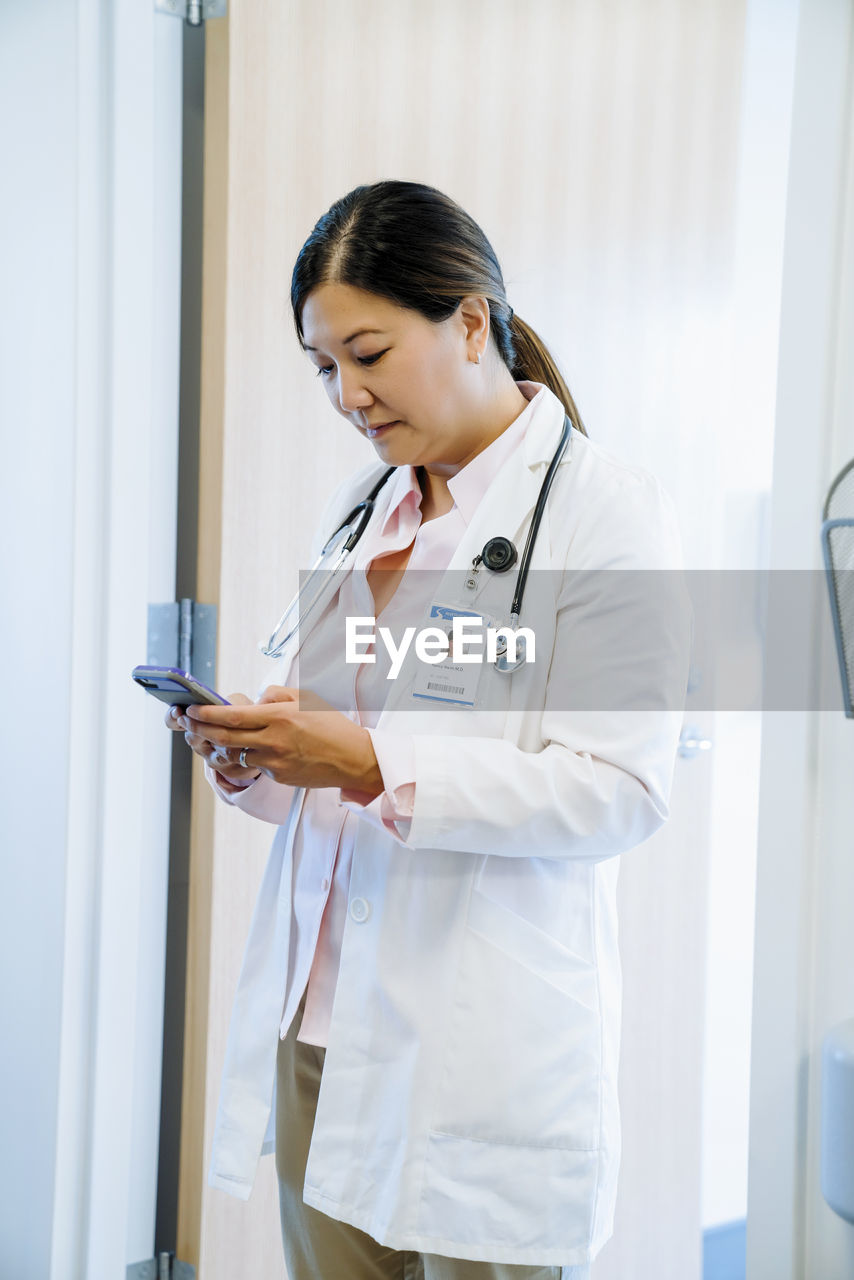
{"points": [[318, 1247]]}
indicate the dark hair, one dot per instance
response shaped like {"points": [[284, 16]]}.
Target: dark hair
{"points": [[415, 246]]}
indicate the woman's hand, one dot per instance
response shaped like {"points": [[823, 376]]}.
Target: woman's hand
{"points": [[295, 738], [178, 720]]}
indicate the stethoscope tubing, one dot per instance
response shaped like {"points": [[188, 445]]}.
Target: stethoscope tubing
{"points": [[362, 513], [366, 507], [522, 575]]}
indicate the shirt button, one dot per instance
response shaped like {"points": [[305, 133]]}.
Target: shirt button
{"points": [[360, 910]]}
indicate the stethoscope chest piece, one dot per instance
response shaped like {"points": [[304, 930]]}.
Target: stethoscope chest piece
{"points": [[503, 662]]}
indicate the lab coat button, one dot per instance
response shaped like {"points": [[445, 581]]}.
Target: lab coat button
{"points": [[324, 884], [360, 910]]}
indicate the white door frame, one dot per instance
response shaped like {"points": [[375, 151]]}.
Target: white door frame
{"points": [[803, 977]]}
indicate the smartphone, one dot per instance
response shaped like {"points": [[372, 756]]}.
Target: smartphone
{"points": [[175, 687]]}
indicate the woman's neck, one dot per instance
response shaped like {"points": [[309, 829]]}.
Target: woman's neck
{"points": [[436, 497], [433, 477]]}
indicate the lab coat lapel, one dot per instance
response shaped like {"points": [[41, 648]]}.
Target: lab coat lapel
{"points": [[510, 500]]}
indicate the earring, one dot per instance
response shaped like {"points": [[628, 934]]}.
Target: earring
{"points": [[478, 358]]}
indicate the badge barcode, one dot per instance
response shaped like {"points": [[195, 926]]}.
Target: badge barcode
{"points": [[446, 688]]}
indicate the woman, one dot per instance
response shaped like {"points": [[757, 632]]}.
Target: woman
{"points": [[435, 935]]}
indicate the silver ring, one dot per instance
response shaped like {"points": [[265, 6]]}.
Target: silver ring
{"points": [[241, 759]]}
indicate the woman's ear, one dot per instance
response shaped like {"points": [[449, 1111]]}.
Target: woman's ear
{"points": [[473, 314]]}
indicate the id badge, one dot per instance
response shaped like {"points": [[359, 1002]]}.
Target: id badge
{"points": [[449, 681]]}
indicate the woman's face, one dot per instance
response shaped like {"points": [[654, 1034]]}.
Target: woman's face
{"points": [[408, 385]]}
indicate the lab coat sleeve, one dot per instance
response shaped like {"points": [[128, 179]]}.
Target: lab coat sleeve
{"points": [[593, 780], [391, 810], [265, 799]]}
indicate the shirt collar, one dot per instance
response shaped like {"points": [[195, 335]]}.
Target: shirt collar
{"points": [[405, 493]]}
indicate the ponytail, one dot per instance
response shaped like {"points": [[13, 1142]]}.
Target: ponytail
{"points": [[535, 363]]}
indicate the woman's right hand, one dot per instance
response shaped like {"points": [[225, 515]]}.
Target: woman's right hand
{"points": [[218, 759]]}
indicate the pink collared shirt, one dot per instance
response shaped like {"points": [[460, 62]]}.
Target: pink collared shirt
{"points": [[325, 835]]}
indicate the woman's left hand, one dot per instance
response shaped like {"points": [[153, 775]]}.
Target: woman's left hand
{"points": [[295, 738]]}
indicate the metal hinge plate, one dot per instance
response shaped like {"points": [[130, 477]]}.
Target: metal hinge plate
{"points": [[183, 635], [166, 1267], [193, 11]]}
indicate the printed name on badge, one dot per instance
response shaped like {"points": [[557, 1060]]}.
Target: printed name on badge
{"points": [[455, 678]]}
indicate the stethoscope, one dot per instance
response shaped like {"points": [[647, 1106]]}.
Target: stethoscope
{"points": [[498, 555]]}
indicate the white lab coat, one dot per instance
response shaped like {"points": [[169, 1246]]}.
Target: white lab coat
{"points": [[468, 1104]]}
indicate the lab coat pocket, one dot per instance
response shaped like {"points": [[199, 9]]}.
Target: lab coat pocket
{"points": [[523, 1055]]}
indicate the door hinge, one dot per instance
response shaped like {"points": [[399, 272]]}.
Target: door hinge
{"points": [[194, 12], [183, 635], [164, 1267]]}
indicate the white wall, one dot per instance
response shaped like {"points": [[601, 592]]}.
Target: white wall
{"points": [[745, 475], [89, 242], [804, 979]]}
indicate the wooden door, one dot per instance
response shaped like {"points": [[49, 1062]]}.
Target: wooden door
{"points": [[596, 145]]}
